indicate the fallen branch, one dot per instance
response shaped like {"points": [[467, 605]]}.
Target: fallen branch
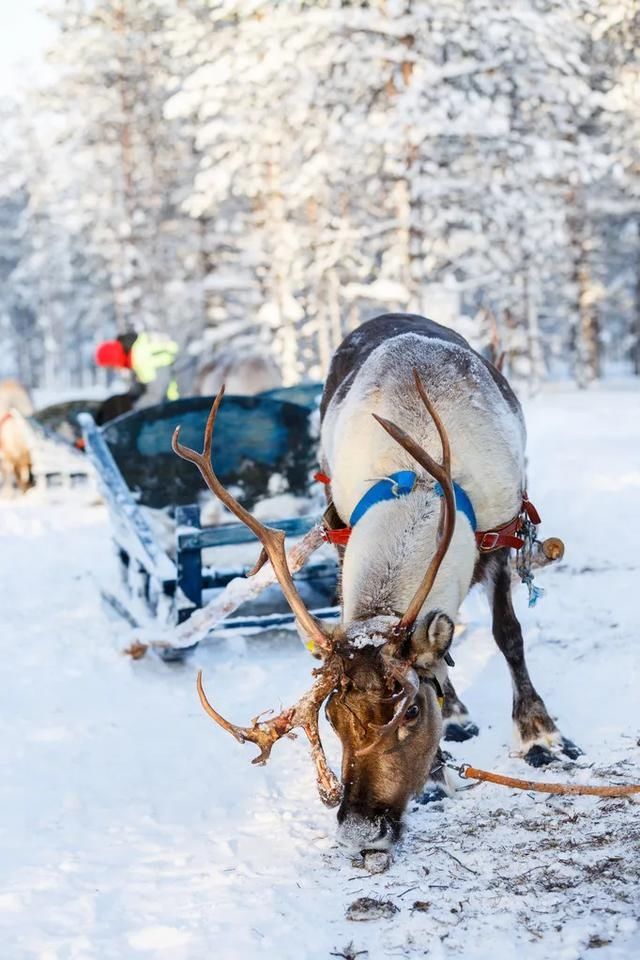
{"points": [[238, 591]]}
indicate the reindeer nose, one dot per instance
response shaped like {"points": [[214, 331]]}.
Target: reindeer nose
{"points": [[358, 832]]}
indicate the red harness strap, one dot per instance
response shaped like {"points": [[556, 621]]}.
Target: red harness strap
{"points": [[507, 535], [4, 418], [487, 540], [339, 536]]}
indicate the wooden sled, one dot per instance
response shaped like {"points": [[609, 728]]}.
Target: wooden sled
{"points": [[256, 439]]}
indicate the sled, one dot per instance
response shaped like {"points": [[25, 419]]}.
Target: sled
{"points": [[304, 394], [256, 440], [57, 454], [58, 445], [61, 419]]}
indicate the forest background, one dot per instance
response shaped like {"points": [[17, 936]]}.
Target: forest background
{"points": [[225, 170]]}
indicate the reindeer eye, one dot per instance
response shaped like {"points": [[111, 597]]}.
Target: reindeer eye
{"points": [[412, 713]]}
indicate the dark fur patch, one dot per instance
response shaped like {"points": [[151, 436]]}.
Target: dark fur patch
{"points": [[459, 732], [360, 343]]}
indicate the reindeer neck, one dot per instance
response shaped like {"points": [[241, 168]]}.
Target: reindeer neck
{"points": [[389, 551]]}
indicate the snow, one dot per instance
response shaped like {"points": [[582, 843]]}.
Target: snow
{"points": [[132, 827]]}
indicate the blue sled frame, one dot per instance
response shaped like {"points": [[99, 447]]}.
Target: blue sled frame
{"points": [[159, 588]]}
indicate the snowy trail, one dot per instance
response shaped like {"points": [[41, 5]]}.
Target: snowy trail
{"points": [[130, 826]]}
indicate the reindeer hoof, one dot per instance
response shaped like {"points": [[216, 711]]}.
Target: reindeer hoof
{"points": [[570, 749], [459, 732], [432, 795], [539, 756]]}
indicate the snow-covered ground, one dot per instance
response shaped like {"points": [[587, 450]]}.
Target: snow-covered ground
{"points": [[133, 827]]}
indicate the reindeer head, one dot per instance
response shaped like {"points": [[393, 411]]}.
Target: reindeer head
{"points": [[380, 678], [387, 714]]}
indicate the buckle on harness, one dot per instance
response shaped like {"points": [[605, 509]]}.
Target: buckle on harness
{"points": [[489, 540]]}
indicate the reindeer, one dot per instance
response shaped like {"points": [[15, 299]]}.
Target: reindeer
{"points": [[15, 447], [416, 540], [245, 368]]}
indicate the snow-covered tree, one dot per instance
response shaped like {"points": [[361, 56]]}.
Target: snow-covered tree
{"points": [[225, 169], [377, 150], [614, 205], [124, 161]]}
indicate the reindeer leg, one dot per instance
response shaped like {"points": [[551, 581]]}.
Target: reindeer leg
{"points": [[440, 784], [23, 475], [539, 737], [457, 724]]}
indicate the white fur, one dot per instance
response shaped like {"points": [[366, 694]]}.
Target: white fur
{"points": [[450, 782], [552, 739], [455, 717], [391, 546], [389, 551]]}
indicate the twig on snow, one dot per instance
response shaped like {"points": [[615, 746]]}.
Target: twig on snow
{"points": [[349, 953], [408, 890], [463, 865]]}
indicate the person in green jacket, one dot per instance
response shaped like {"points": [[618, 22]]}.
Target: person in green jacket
{"points": [[150, 357]]}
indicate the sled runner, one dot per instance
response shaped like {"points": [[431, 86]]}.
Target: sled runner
{"points": [[171, 564]]}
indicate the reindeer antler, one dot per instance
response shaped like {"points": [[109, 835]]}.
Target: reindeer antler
{"points": [[442, 473], [272, 540], [304, 714]]}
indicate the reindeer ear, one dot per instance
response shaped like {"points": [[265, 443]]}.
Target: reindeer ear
{"points": [[432, 638]]}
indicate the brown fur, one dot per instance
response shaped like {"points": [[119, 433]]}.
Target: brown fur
{"points": [[378, 786], [15, 452], [381, 774], [13, 396]]}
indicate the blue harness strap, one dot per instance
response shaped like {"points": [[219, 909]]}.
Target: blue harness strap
{"points": [[401, 483], [463, 503], [397, 484]]}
